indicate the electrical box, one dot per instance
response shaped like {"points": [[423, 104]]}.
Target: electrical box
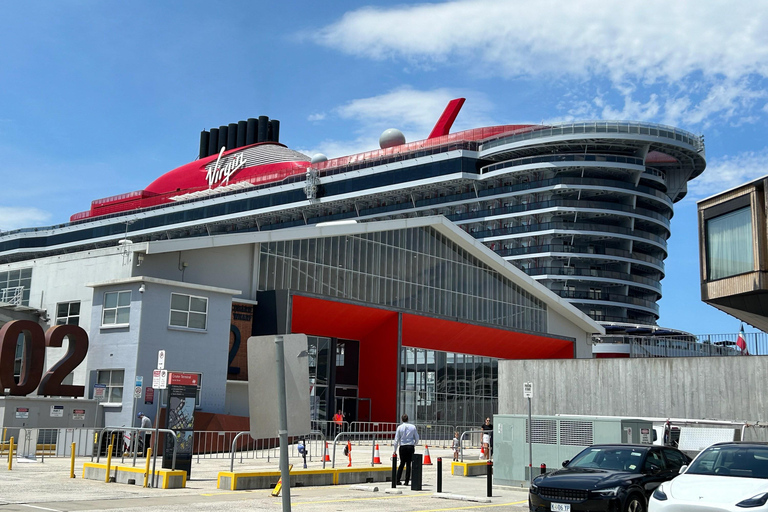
{"points": [[555, 439]]}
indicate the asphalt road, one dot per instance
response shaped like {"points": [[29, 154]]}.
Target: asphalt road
{"points": [[47, 486]]}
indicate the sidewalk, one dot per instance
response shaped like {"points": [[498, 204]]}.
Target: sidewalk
{"points": [[47, 486]]}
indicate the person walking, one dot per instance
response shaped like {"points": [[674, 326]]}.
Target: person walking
{"points": [[487, 428], [338, 420], [145, 435], [406, 438]]}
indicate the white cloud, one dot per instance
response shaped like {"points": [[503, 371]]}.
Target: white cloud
{"points": [[414, 112], [17, 217], [709, 58], [316, 117], [729, 171], [649, 40]]}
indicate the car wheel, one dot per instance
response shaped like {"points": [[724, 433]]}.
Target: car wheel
{"points": [[635, 504]]}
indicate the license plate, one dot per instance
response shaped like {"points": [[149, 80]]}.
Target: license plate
{"points": [[560, 507]]}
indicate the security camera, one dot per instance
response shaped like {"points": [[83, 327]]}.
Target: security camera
{"points": [[142, 288]]}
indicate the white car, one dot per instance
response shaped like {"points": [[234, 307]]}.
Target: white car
{"points": [[724, 477]]}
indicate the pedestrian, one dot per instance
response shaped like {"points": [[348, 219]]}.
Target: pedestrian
{"points": [[406, 438], [145, 435], [487, 436], [455, 445], [338, 419]]}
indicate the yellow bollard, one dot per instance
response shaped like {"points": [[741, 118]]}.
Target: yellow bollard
{"points": [[10, 455], [146, 468], [109, 463], [72, 462]]}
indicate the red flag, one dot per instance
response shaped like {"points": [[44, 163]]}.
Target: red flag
{"points": [[741, 341]]}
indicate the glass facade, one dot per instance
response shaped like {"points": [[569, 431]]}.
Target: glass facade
{"points": [[729, 244], [415, 269], [448, 388]]}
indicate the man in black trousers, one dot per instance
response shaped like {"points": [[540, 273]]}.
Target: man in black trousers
{"points": [[406, 438]]}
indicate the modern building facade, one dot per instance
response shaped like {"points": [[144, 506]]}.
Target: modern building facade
{"points": [[733, 252], [528, 229], [402, 316]]}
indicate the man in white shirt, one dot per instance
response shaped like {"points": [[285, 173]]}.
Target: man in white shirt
{"points": [[406, 438]]}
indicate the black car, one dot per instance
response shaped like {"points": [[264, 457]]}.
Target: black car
{"points": [[608, 477]]}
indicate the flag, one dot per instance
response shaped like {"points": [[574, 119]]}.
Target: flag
{"points": [[741, 341]]}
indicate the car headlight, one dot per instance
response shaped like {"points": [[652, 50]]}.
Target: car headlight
{"points": [[755, 501], [659, 494], [534, 488], [610, 491]]}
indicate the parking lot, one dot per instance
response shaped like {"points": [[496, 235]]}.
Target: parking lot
{"points": [[47, 486]]}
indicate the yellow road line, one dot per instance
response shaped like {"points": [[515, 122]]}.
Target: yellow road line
{"points": [[358, 499], [474, 506]]}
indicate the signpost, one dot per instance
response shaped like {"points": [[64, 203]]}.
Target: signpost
{"points": [[159, 381], [528, 393]]}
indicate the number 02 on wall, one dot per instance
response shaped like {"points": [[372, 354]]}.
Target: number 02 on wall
{"points": [[33, 358]]}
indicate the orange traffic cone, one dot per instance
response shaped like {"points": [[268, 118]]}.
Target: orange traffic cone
{"points": [[349, 452], [376, 456], [427, 459], [327, 457]]}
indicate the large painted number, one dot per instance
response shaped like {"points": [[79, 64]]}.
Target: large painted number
{"points": [[32, 358], [51, 385], [234, 370]]}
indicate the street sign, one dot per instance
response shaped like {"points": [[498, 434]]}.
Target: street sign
{"points": [[527, 389], [149, 396], [160, 379], [99, 392], [183, 379], [138, 386], [160, 359]]}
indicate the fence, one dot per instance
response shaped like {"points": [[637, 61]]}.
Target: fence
{"points": [[56, 442], [699, 345]]}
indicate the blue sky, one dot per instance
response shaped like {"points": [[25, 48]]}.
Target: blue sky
{"points": [[100, 98]]}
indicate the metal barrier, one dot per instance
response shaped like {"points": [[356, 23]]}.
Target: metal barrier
{"points": [[310, 440], [475, 440], [130, 446], [461, 441], [359, 437]]}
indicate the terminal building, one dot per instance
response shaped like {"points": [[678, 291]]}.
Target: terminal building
{"points": [[412, 268]]}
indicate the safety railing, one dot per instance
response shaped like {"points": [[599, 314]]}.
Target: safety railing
{"points": [[129, 437], [359, 437], [464, 434], [315, 439]]}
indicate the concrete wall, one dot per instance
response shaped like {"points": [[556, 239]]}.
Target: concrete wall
{"points": [[722, 388], [560, 326]]}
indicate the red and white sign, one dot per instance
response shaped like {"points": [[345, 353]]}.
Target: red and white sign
{"points": [[183, 379], [160, 379], [149, 395]]}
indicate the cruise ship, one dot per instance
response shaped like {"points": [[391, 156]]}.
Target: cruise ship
{"points": [[582, 207]]}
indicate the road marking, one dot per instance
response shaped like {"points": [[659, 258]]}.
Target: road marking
{"points": [[359, 499], [475, 506], [41, 508]]}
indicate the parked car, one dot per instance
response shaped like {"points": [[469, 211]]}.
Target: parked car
{"points": [[725, 476], [607, 477]]}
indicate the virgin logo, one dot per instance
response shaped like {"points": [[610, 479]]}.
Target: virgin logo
{"points": [[217, 175]]}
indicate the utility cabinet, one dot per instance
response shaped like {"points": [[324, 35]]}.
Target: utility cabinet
{"points": [[555, 439]]}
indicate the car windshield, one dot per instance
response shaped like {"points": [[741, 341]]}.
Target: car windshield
{"points": [[732, 460], [609, 457]]}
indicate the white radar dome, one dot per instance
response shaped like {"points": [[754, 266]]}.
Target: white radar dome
{"points": [[391, 138], [317, 158]]}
